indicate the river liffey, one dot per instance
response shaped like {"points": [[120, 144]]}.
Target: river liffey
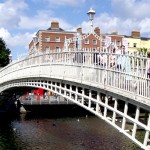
{"points": [[32, 132]]}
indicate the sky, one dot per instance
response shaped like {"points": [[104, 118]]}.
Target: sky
{"points": [[21, 19]]}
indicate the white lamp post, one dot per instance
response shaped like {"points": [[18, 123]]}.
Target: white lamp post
{"points": [[91, 14], [10, 58]]}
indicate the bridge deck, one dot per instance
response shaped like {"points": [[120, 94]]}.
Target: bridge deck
{"points": [[84, 78]]}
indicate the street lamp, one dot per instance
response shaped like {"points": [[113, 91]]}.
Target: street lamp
{"points": [[91, 14], [10, 58]]}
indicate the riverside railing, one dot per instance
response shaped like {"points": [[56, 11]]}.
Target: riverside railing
{"points": [[44, 100]]}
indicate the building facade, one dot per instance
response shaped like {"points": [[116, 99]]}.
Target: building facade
{"points": [[51, 39], [56, 39], [136, 42]]}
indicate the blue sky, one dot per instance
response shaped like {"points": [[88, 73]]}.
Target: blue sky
{"points": [[20, 19]]}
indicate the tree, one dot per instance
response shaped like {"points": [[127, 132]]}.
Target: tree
{"points": [[142, 50], [4, 53]]}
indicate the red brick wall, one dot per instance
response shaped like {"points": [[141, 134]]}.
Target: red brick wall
{"points": [[91, 45], [52, 43]]}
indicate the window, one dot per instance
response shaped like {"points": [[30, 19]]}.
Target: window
{"points": [[47, 39], [58, 49], [112, 43], [94, 42], [67, 38], [86, 41], [134, 44], [118, 43], [47, 49], [57, 39]]}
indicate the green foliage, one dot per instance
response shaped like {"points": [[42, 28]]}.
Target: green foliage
{"points": [[4, 54], [142, 51]]}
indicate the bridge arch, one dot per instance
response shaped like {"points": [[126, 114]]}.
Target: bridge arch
{"points": [[93, 99]]}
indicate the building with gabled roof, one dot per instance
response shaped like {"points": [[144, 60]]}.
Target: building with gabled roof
{"points": [[56, 39], [135, 42]]}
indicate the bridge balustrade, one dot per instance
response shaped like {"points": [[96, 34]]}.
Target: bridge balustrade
{"points": [[93, 66]]}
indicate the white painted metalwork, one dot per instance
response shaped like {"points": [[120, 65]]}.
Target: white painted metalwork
{"points": [[91, 14], [88, 79]]}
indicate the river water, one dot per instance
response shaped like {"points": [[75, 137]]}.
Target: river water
{"points": [[44, 132]]}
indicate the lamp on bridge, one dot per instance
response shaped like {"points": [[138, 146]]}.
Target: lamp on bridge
{"points": [[91, 14], [10, 58]]}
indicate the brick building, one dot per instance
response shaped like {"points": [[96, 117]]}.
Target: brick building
{"points": [[56, 39], [51, 39]]}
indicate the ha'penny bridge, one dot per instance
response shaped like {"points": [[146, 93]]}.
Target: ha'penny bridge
{"points": [[83, 78], [91, 79]]}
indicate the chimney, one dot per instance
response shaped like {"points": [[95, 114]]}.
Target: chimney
{"points": [[54, 25], [114, 33], [135, 34], [79, 30], [97, 31]]}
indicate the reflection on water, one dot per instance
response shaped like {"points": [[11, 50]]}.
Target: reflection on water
{"points": [[31, 132]]}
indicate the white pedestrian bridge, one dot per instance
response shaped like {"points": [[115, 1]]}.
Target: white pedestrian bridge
{"points": [[94, 80]]}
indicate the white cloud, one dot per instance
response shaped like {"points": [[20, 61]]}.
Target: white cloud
{"points": [[105, 22], [109, 23], [18, 43], [15, 40], [144, 25], [9, 11], [135, 9], [31, 22], [66, 2], [42, 20], [20, 39], [126, 16], [4, 33]]}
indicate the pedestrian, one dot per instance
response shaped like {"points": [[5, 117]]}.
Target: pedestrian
{"points": [[113, 58], [148, 65], [118, 57], [18, 105]]}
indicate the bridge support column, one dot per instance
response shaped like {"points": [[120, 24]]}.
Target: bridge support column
{"points": [[115, 108], [90, 95], [125, 113], [147, 134], [70, 91], [49, 98], [106, 104], [76, 95], [98, 108], [65, 92], [55, 86], [83, 95], [58, 98], [65, 89], [136, 119]]}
